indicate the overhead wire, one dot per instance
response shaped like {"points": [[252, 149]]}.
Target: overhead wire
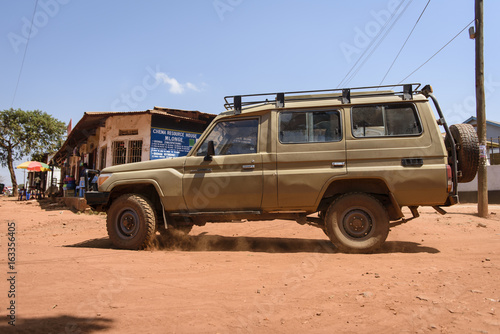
{"points": [[370, 44], [379, 42], [404, 44], [451, 40], [24, 55]]}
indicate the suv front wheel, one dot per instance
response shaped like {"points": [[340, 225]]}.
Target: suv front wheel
{"points": [[131, 222], [357, 223]]}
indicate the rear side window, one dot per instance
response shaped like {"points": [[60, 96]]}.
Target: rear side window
{"points": [[309, 127], [385, 121]]}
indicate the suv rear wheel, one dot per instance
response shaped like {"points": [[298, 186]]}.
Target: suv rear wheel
{"points": [[131, 222], [357, 223]]}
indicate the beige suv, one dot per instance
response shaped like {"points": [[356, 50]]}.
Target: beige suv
{"points": [[345, 161]]}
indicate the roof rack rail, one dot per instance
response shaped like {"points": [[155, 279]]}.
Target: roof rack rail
{"points": [[237, 103]]}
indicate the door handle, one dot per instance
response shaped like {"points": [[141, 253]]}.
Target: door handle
{"points": [[248, 166], [338, 164], [412, 162]]}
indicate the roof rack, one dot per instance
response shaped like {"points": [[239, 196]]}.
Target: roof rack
{"points": [[237, 103]]}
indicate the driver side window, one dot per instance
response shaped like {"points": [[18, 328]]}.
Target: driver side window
{"points": [[232, 137]]}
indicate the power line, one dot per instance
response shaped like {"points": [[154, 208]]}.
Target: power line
{"points": [[468, 24], [370, 44], [404, 44], [24, 55], [379, 42]]}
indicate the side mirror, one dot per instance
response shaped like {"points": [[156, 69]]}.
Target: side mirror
{"points": [[210, 151]]}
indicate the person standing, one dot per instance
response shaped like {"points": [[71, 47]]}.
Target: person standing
{"points": [[38, 182]]}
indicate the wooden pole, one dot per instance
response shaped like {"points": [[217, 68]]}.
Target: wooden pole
{"points": [[482, 178]]}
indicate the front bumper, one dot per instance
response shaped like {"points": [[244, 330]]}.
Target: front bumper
{"points": [[97, 200]]}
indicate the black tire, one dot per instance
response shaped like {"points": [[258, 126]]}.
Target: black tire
{"points": [[357, 223], [468, 150], [322, 215], [131, 222]]}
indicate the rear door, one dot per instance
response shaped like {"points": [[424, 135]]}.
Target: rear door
{"points": [[310, 153], [391, 142]]}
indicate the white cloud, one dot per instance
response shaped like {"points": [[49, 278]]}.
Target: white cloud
{"points": [[192, 87], [175, 86]]}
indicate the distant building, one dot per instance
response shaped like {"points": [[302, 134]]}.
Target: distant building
{"points": [[492, 128], [102, 139], [492, 137], [468, 191]]}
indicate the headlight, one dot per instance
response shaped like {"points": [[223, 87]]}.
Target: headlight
{"points": [[102, 178]]}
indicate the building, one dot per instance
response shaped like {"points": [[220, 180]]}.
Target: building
{"points": [[492, 128], [492, 137], [468, 191], [102, 139]]}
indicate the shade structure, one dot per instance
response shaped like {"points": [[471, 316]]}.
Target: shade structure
{"points": [[34, 166]]}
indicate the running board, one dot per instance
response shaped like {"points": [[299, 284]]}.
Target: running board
{"points": [[214, 213]]}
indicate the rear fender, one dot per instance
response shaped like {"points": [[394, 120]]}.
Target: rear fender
{"points": [[376, 187]]}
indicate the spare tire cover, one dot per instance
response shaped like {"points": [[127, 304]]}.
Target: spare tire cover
{"points": [[468, 150]]}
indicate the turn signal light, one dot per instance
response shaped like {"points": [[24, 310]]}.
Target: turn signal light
{"points": [[102, 178]]}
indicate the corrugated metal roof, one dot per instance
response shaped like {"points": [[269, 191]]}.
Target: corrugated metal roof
{"points": [[178, 113], [113, 113], [474, 119]]}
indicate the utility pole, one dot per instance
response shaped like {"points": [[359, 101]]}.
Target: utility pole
{"points": [[482, 177]]}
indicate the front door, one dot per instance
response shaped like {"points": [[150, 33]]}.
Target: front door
{"points": [[232, 180]]}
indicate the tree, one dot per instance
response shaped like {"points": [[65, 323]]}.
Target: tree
{"points": [[27, 132]]}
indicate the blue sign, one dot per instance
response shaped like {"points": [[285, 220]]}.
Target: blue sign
{"points": [[166, 143]]}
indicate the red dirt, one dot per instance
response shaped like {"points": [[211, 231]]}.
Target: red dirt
{"points": [[435, 274]]}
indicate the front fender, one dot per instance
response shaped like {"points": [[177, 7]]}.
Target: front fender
{"points": [[167, 182]]}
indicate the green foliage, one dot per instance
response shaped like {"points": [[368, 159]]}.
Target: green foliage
{"points": [[38, 157], [28, 132]]}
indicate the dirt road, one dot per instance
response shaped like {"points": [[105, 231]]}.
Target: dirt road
{"points": [[436, 274]]}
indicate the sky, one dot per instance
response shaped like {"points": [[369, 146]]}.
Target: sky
{"points": [[87, 55]]}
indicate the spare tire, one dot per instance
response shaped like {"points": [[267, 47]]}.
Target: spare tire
{"points": [[465, 137]]}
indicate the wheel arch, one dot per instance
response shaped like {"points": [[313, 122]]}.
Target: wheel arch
{"points": [[150, 190], [374, 186]]}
